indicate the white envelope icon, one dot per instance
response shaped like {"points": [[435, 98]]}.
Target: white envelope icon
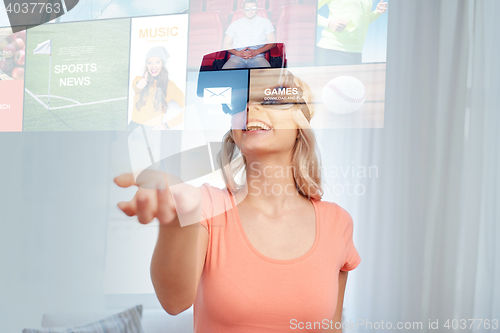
{"points": [[217, 95]]}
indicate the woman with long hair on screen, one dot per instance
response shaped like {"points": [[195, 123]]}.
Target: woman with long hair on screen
{"points": [[153, 91], [267, 255]]}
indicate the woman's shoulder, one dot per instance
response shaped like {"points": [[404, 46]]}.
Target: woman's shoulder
{"points": [[215, 201], [329, 206], [215, 190], [330, 210]]}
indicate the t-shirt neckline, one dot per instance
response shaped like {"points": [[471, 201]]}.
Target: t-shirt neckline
{"points": [[273, 260]]}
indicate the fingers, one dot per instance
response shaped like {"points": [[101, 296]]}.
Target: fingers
{"points": [[141, 83], [338, 25], [125, 180], [150, 201], [146, 205], [143, 205], [382, 6], [248, 54], [381, 10], [129, 208]]}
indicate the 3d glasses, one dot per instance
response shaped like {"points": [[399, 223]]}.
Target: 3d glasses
{"points": [[233, 89]]}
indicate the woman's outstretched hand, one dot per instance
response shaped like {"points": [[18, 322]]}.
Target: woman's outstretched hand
{"points": [[147, 203], [179, 255], [155, 198]]}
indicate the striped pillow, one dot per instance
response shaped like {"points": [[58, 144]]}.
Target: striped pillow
{"points": [[128, 321]]}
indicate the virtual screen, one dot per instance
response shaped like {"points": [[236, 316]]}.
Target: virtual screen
{"points": [[77, 77], [183, 65]]}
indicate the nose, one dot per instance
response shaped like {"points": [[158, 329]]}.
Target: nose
{"points": [[253, 112], [256, 111]]}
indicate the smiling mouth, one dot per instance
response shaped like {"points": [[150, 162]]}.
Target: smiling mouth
{"points": [[256, 126], [154, 71]]}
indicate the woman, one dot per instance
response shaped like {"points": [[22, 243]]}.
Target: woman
{"points": [[270, 256], [345, 30], [153, 92]]}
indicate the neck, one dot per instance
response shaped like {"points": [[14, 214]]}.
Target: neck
{"points": [[270, 181]]}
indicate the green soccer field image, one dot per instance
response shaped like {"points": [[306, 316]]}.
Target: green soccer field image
{"points": [[88, 76]]}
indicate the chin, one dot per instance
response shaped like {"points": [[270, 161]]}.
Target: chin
{"points": [[257, 140]]}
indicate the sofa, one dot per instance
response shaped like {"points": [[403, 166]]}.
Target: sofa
{"points": [[153, 320]]}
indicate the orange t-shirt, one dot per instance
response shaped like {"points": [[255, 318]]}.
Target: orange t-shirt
{"points": [[241, 290]]}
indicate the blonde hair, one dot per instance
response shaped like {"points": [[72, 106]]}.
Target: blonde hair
{"points": [[305, 161]]}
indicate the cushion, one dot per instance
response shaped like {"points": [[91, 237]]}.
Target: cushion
{"points": [[128, 321], [153, 320], [66, 319], [158, 321]]}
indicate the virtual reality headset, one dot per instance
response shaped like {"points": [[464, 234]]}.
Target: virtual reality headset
{"points": [[273, 86]]}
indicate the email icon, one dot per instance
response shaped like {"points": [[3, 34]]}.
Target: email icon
{"points": [[217, 95]]}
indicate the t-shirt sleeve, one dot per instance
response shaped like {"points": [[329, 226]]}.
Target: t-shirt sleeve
{"points": [[352, 258], [269, 27], [231, 29], [214, 202]]}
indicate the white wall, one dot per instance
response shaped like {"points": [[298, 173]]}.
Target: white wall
{"points": [[53, 208]]}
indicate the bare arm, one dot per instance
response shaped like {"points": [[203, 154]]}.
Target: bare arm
{"points": [[177, 264], [271, 38], [266, 48], [249, 53], [337, 318], [227, 44], [271, 42], [179, 255]]}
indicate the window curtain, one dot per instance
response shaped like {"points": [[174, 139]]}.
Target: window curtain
{"points": [[427, 226]]}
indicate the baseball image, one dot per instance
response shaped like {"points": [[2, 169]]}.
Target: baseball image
{"points": [[343, 94]]}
